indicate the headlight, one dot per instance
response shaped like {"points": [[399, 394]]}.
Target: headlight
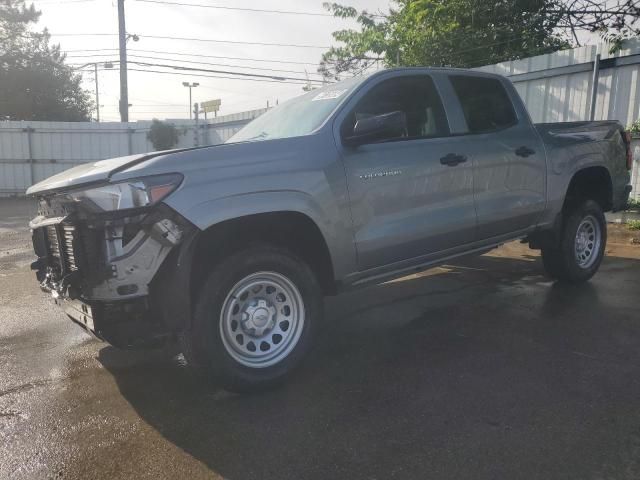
{"points": [[140, 192]]}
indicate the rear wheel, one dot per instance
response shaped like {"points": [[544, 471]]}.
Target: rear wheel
{"points": [[580, 249], [255, 318]]}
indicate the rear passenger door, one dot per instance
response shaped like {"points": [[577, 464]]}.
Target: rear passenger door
{"points": [[509, 166]]}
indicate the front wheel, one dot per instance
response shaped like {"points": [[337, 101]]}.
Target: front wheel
{"points": [[579, 252], [255, 318]]}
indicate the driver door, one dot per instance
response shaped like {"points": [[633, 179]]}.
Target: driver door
{"points": [[411, 195]]}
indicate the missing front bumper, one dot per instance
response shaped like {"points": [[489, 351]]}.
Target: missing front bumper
{"points": [[104, 259], [124, 324], [80, 312], [122, 292]]}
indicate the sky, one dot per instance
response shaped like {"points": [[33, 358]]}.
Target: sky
{"points": [[156, 95]]}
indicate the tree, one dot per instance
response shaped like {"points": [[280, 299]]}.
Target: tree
{"points": [[162, 135], [615, 20], [35, 83], [465, 33]]}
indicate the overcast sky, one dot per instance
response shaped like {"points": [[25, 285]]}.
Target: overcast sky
{"points": [[163, 96]]}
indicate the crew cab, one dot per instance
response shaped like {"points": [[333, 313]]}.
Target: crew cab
{"points": [[229, 249]]}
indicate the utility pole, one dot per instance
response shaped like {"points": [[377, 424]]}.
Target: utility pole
{"points": [[95, 74], [124, 90]]}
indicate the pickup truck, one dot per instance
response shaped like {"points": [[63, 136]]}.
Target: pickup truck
{"points": [[228, 250]]}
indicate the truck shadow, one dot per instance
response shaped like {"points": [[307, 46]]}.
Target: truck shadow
{"points": [[482, 369]]}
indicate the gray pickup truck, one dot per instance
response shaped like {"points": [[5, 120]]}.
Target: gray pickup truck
{"points": [[229, 249]]}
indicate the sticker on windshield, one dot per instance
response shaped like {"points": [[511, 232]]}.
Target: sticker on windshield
{"points": [[328, 95]]}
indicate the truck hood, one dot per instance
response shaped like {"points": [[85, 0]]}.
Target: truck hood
{"points": [[93, 172], [226, 156]]}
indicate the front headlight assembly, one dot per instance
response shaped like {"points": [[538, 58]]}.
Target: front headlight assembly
{"points": [[135, 193]]}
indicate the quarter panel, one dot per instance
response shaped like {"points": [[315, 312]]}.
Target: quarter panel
{"points": [[573, 146]]}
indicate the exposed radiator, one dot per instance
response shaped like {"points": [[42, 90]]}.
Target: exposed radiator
{"points": [[61, 240]]}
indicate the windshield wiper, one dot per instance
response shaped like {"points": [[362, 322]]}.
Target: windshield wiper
{"points": [[260, 136]]}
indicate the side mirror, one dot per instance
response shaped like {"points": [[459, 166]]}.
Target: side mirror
{"points": [[378, 127]]}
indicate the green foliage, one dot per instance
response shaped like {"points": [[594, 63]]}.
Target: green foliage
{"points": [[634, 127], [458, 33], [633, 204], [163, 135], [633, 224], [471, 33], [35, 83]]}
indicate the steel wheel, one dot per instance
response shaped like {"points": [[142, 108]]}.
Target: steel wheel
{"points": [[587, 242], [262, 319]]}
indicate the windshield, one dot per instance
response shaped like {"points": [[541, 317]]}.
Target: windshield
{"points": [[298, 116]]}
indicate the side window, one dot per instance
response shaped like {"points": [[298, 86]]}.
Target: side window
{"points": [[415, 96], [485, 103]]}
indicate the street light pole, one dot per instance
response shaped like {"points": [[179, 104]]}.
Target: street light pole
{"points": [[190, 86], [95, 79], [124, 90]]}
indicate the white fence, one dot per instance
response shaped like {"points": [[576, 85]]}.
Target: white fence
{"points": [[33, 151], [560, 87], [556, 87]]}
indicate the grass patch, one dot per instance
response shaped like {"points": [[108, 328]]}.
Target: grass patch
{"points": [[633, 224], [633, 204]]}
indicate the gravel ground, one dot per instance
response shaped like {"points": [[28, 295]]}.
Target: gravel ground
{"points": [[483, 369]]}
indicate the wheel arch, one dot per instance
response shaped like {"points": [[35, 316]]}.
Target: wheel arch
{"points": [[294, 230], [590, 183], [272, 216]]}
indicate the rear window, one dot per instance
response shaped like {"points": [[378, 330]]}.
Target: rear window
{"points": [[485, 103]]}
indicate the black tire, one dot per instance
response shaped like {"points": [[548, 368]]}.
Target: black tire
{"points": [[551, 262], [203, 345], [560, 260]]}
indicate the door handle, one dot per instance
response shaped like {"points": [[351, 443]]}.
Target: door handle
{"points": [[524, 151], [452, 159]]}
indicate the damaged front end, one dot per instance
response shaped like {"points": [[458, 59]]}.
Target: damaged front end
{"points": [[99, 251]]}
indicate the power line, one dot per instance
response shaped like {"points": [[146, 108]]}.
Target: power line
{"points": [[225, 72], [191, 39], [211, 76], [256, 10], [160, 37], [58, 2], [186, 54], [91, 50], [148, 57], [219, 64], [83, 34], [155, 111]]}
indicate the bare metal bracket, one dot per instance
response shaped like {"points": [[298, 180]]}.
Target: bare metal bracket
{"points": [[134, 265]]}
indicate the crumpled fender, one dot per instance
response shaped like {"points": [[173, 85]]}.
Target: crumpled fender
{"points": [[336, 236]]}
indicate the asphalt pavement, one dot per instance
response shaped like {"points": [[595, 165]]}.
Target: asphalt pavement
{"points": [[483, 369]]}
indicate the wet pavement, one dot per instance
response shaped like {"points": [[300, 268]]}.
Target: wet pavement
{"points": [[482, 370]]}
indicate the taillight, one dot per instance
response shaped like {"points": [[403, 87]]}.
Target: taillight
{"points": [[626, 136]]}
